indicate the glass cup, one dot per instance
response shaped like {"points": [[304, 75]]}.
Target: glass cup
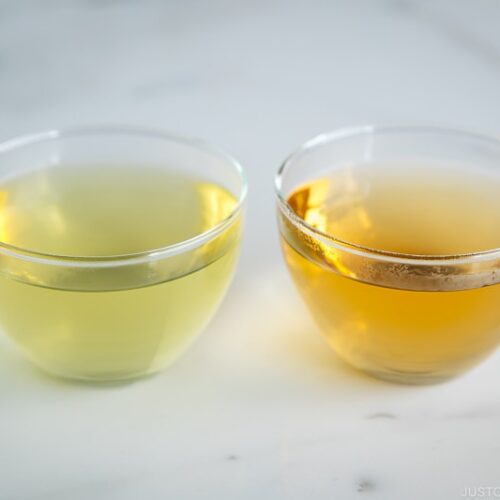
{"points": [[116, 247], [392, 237]]}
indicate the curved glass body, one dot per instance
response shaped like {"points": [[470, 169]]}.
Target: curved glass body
{"points": [[116, 247], [392, 236]]}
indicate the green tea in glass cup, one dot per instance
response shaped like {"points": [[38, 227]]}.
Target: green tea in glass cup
{"points": [[116, 247]]}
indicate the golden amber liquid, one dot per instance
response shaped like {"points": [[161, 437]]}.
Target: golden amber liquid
{"points": [[394, 332], [96, 324]]}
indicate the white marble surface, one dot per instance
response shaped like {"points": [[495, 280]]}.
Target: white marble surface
{"points": [[259, 408]]}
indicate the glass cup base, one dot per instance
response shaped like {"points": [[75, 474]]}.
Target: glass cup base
{"points": [[409, 378]]}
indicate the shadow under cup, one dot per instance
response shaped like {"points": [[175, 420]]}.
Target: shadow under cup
{"points": [[116, 247], [392, 237]]}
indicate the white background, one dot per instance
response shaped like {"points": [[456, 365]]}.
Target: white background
{"points": [[259, 407]]}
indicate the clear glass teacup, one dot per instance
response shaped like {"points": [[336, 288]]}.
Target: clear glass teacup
{"points": [[392, 236], [116, 247]]}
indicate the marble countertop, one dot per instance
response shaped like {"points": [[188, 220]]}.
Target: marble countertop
{"points": [[259, 407]]}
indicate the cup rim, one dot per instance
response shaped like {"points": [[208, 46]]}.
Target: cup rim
{"points": [[362, 250], [32, 255]]}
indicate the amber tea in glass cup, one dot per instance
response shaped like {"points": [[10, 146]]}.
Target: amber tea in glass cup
{"points": [[116, 247], [392, 237]]}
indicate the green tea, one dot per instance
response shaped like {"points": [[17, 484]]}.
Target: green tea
{"points": [[111, 322]]}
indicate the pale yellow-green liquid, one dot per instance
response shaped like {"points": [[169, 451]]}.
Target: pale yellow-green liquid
{"points": [[124, 322], [397, 333]]}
